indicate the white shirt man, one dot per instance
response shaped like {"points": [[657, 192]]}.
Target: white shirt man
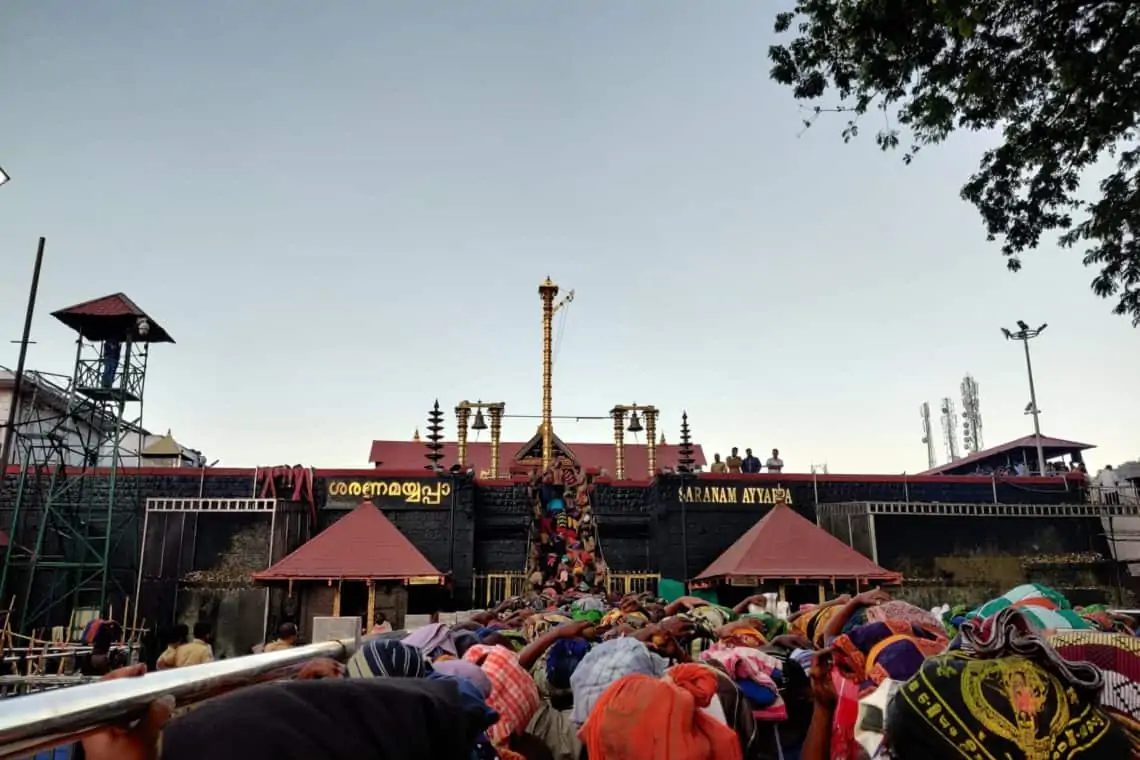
{"points": [[774, 463]]}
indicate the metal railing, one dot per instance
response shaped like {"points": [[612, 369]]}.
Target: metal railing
{"points": [[18, 686], [633, 583], [492, 588], [1125, 495]]}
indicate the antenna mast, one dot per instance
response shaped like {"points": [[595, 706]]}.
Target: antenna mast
{"points": [[950, 429], [971, 416], [927, 438]]}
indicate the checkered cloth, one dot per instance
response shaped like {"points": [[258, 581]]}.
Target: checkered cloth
{"points": [[514, 695], [606, 663]]}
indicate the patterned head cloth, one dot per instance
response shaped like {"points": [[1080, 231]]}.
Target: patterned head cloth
{"points": [[960, 707], [387, 659], [514, 695], [1118, 657], [606, 663], [1004, 693], [891, 650]]}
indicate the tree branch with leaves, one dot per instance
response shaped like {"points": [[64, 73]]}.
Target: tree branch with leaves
{"points": [[1060, 80]]}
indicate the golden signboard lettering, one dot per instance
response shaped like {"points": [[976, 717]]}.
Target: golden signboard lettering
{"points": [[734, 494], [409, 491]]}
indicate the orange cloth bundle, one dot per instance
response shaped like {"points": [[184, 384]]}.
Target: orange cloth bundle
{"points": [[645, 718]]}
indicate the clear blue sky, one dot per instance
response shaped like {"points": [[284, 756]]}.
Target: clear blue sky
{"points": [[343, 210]]}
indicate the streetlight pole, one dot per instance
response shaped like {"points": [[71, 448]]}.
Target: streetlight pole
{"points": [[1025, 334]]}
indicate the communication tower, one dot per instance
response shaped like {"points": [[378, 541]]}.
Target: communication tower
{"points": [[971, 416], [927, 437], [950, 429], [72, 528]]}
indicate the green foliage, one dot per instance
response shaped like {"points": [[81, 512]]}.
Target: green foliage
{"points": [[1059, 78]]}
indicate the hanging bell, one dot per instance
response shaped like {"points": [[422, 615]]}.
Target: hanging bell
{"points": [[634, 423], [479, 423]]}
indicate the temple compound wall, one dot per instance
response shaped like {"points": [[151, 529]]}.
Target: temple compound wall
{"points": [[193, 562]]}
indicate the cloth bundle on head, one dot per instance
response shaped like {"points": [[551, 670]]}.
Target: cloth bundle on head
{"points": [[635, 619], [640, 717], [606, 663], [387, 659], [468, 671], [704, 633], [713, 614], [1007, 692], [592, 616], [743, 636], [876, 652], [513, 693], [1045, 608], [755, 674], [589, 604], [907, 613], [432, 639], [767, 623], [562, 660], [813, 623], [544, 622], [330, 719]]}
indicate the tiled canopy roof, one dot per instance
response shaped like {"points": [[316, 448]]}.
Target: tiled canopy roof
{"points": [[362, 545], [784, 544]]}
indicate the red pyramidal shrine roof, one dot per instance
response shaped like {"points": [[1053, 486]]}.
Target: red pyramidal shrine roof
{"points": [[362, 545], [783, 544]]}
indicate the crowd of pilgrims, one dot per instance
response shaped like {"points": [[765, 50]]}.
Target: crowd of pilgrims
{"points": [[572, 676]]}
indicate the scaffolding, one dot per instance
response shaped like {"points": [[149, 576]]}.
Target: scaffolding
{"points": [[73, 533]]}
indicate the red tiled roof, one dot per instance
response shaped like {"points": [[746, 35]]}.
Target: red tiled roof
{"points": [[109, 317], [114, 305], [409, 455], [1059, 446], [783, 544], [362, 545]]}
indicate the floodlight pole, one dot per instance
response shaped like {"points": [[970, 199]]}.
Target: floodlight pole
{"points": [[9, 436], [1025, 334]]}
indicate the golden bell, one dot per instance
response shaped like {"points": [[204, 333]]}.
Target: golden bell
{"points": [[479, 423], [634, 423]]}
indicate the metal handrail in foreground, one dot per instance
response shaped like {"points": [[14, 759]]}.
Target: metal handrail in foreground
{"points": [[36, 722]]}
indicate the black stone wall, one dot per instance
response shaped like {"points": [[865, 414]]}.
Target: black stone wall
{"points": [[482, 528]]}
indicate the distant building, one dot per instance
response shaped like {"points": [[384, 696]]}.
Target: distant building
{"points": [[46, 430], [164, 451], [1017, 457]]}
